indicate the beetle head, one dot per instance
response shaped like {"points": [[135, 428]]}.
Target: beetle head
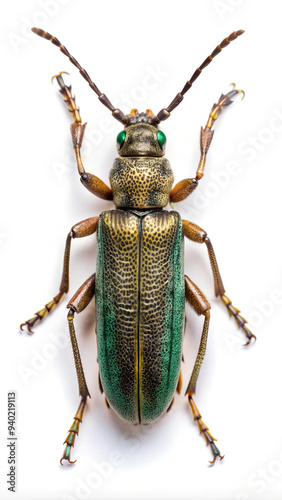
{"points": [[141, 148], [141, 136]]}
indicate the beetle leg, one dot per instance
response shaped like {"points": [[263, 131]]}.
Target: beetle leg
{"points": [[68, 98], [100, 384], [79, 230], [170, 405], [198, 235], [201, 306], [179, 384], [77, 304], [210, 440], [185, 187], [207, 133], [91, 182]]}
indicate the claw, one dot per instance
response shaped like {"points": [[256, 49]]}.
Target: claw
{"points": [[233, 85], [215, 457], [31, 332], [29, 323], [241, 322], [224, 100], [66, 455], [39, 315], [242, 93], [252, 337], [60, 74]]}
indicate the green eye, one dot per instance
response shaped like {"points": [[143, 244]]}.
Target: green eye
{"points": [[161, 138], [120, 138]]}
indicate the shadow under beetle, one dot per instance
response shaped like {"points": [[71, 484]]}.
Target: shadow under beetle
{"points": [[139, 284]]}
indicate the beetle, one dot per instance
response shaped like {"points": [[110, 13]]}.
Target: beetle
{"points": [[140, 287]]}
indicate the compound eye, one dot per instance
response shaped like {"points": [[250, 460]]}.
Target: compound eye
{"points": [[120, 139], [161, 138]]}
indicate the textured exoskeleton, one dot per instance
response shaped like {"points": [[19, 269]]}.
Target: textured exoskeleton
{"points": [[139, 286]]}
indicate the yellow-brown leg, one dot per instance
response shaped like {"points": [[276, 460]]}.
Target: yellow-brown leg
{"points": [[202, 307], [207, 133], [95, 185], [77, 304], [179, 384], [79, 230], [198, 235], [185, 187]]}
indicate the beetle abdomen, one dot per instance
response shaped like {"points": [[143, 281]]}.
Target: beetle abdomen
{"points": [[140, 310]]}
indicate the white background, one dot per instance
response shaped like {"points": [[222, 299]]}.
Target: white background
{"points": [[238, 393]]}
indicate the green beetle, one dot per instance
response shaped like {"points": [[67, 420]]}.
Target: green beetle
{"points": [[139, 285], [140, 290]]}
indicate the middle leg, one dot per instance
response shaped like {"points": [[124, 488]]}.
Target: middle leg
{"points": [[198, 235], [79, 230]]}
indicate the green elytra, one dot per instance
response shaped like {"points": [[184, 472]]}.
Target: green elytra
{"points": [[140, 299]]}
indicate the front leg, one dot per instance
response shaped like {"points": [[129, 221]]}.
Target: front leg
{"points": [[198, 235], [91, 182], [185, 187]]}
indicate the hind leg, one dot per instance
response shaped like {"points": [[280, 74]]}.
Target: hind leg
{"points": [[202, 307], [77, 304]]}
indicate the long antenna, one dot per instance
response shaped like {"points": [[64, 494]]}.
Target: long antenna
{"points": [[165, 112], [117, 113]]}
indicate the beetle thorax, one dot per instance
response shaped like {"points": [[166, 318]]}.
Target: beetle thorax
{"points": [[141, 177], [141, 182]]}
